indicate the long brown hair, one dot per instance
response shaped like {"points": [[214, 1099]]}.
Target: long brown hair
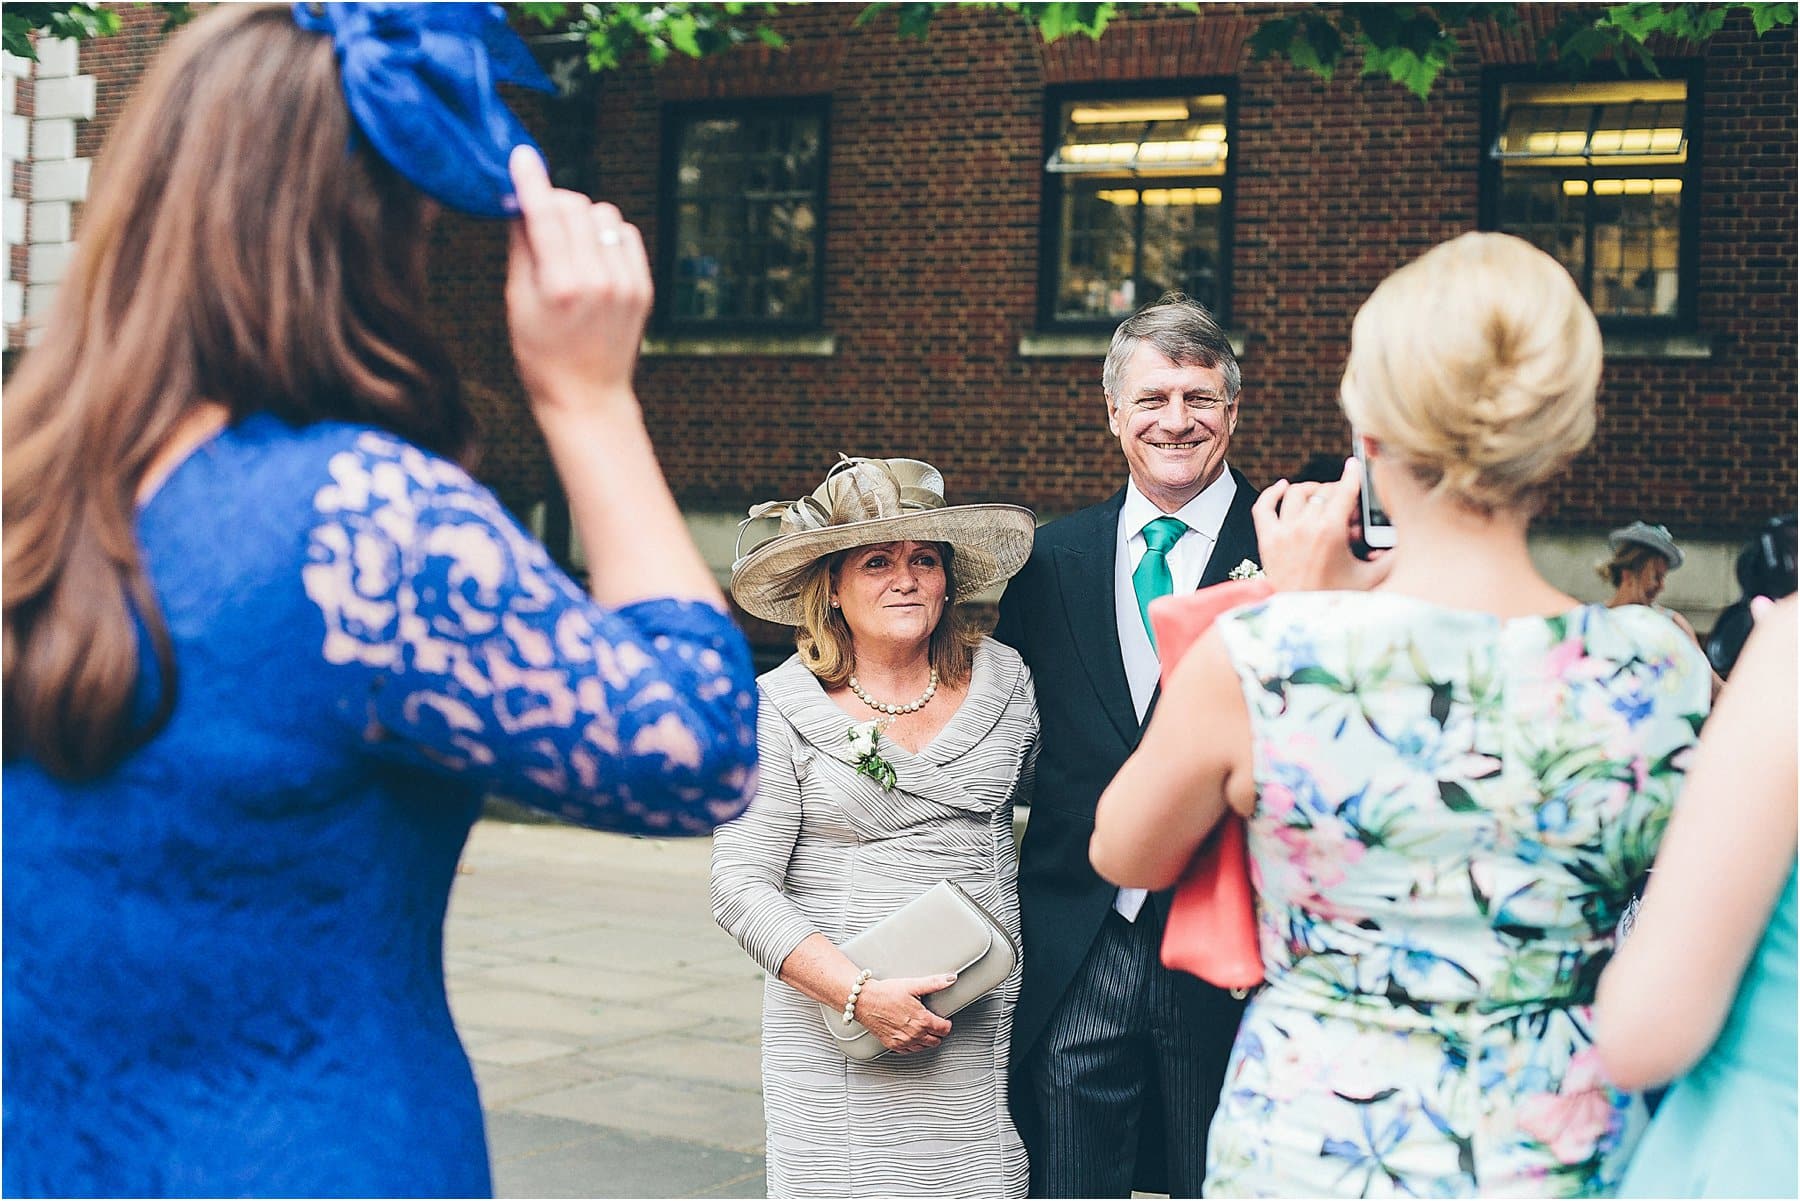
{"points": [[239, 248]]}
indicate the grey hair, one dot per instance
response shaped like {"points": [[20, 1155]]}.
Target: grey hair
{"points": [[1184, 331]]}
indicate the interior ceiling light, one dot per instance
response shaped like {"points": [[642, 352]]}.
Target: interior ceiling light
{"points": [[1113, 114]]}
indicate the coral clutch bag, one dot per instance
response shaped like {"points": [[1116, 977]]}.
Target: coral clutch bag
{"points": [[1211, 931]]}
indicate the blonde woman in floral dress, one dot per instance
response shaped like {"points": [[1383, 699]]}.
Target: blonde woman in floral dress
{"points": [[1453, 773], [894, 745]]}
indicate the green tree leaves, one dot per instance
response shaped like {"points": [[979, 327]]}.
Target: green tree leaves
{"points": [[1410, 44], [19, 21], [611, 33]]}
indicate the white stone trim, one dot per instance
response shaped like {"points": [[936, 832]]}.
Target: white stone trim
{"points": [[53, 139], [66, 98], [59, 179], [43, 221], [54, 221]]}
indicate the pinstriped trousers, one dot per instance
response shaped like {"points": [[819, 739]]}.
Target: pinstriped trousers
{"points": [[1129, 1040]]}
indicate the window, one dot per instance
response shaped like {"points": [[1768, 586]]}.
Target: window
{"points": [[1137, 202], [744, 215], [1601, 175]]}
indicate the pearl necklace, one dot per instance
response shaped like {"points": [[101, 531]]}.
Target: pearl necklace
{"points": [[896, 710]]}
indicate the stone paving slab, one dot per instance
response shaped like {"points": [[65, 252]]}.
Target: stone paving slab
{"points": [[614, 1029], [553, 1157]]}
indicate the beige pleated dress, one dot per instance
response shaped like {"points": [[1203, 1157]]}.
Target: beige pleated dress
{"points": [[824, 849]]}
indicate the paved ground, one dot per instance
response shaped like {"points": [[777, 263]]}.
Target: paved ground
{"points": [[613, 1026]]}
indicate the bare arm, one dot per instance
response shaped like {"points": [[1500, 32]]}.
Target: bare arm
{"points": [[1723, 862], [577, 293], [1687, 627], [1174, 788]]}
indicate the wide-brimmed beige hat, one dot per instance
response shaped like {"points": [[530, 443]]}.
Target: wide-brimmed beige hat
{"points": [[867, 501]]}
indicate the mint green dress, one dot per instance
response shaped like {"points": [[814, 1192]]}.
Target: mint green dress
{"points": [[1728, 1127]]}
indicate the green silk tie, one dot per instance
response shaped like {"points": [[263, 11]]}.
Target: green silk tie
{"points": [[1152, 578]]}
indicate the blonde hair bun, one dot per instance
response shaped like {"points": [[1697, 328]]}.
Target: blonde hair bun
{"points": [[1476, 364]]}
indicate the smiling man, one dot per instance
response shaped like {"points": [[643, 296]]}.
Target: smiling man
{"points": [[1117, 1061]]}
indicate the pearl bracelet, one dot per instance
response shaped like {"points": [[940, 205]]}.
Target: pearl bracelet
{"points": [[862, 978]]}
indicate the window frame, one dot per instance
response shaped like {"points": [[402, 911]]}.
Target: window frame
{"points": [[1685, 319], [1052, 185], [675, 116]]}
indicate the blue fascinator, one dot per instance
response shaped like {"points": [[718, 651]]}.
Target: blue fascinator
{"points": [[421, 82]]}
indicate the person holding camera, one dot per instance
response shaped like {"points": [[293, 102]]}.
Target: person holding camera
{"points": [[1451, 771]]}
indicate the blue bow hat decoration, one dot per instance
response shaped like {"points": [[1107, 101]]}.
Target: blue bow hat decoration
{"points": [[421, 81]]}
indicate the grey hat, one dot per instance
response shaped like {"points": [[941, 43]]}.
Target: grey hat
{"points": [[867, 501], [1656, 537]]}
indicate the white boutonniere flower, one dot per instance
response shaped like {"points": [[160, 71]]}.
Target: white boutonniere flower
{"points": [[862, 736], [1247, 570]]}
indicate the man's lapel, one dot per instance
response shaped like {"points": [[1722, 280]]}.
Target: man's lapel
{"points": [[1084, 572], [1237, 537], [1237, 542]]}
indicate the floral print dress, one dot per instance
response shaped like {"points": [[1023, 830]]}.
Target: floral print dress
{"points": [[1452, 811]]}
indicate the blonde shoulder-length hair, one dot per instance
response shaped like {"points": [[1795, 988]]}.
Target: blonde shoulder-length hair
{"points": [[828, 649]]}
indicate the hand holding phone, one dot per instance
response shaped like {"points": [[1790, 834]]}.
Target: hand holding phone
{"points": [[1377, 527], [1303, 536]]}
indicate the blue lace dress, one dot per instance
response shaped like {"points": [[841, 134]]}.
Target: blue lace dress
{"points": [[223, 959]]}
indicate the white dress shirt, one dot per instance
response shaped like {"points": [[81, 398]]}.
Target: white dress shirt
{"points": [[1187, 563]]}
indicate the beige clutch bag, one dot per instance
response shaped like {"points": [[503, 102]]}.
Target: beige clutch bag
{"points": [[940, 930]]}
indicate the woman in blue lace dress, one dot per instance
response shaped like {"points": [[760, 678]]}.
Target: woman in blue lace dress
{"points": [[1452, 773], [268, 644]]}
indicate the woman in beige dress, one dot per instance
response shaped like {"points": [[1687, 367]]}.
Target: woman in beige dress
{"points": [[894, 745]]}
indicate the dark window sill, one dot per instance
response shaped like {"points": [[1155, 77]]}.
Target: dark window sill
{"points": [[814, 346]]}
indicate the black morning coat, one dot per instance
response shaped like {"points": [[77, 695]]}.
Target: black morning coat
{"points": [[1059, 614]]}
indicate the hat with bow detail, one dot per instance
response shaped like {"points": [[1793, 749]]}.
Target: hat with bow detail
{"points": [[864, 502]]}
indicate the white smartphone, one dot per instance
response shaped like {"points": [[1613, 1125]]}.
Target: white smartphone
{"points": [[1378, 529]]}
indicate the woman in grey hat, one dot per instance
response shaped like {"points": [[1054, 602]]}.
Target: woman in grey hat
{"points": [[1643, 555], [894, 743]]}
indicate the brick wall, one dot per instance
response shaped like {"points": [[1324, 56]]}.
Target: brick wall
{"points": [[935, 170], [932, 251]]}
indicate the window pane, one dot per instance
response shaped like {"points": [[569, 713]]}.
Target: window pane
{"points": [[1098, 235], [1136, 185], [1595, 174], [1621, 121], [1181, 243], [1142, 135], [1544, 210], [748, 194], [1638, 275]]}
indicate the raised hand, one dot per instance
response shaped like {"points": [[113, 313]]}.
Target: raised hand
{"points": [[578, 292], [1303, 536]]}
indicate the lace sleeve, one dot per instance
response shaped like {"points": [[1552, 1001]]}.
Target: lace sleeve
{"points": [[463, 646]]}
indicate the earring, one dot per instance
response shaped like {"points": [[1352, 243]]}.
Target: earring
{"points": [[835, 605]]}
